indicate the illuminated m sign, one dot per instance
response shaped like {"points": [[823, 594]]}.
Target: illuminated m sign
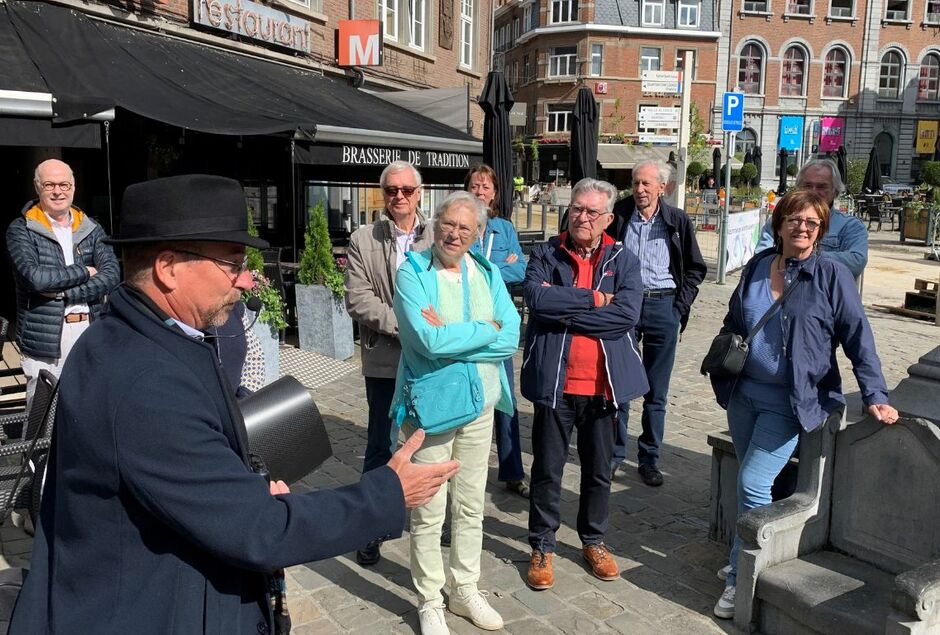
{"points": [[359, 43]]}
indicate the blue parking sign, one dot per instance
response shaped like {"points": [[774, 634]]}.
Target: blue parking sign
{"points": [[732, 112]]}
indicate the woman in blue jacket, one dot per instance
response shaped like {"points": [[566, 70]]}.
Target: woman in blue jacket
{"points": [[453, 308], [499, 243], [790, 380]]}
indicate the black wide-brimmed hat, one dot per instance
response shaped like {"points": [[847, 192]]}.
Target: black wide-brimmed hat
{"points": [[185, 208]]}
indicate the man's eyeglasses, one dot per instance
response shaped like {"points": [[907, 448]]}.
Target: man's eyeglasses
{"points": [[49, 186], [232, 268], [392, 191], [575, 210], [463, 231], [811, 224]]}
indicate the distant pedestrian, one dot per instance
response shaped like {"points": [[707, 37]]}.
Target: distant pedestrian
{"points": [[584, 293]]}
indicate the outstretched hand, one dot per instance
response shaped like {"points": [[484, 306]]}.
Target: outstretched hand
{"points": [[884, 413], [419, 483]]}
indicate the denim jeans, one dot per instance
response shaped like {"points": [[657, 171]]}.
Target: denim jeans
{"points": [[508, 448], [764, 430], [658, 333], [382, 436], [551, 435]]}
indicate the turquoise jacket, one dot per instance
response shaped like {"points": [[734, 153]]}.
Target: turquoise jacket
{"points": [[426, 348], [498, 241]]}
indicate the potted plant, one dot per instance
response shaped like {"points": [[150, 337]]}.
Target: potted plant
{"points": [[915, 220], [270, 320], [323, 324]]}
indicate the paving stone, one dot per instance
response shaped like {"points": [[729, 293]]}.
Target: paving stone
{"points": [[541, 603], [597, 605]]}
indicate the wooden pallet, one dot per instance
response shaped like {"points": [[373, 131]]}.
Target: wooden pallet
{"points": [[930, 286], [900, 310]]}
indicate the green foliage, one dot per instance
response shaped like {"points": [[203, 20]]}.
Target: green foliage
{"points": [[272, 303], [535, 149], [748, 173], [316, 264], [930, 173], [792, 169], [698, 142], [855, 176], [255, 259], [694, 170]]}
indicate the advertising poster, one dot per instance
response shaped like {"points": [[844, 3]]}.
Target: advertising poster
{"points": [[743, 236], [830, 135], [791, 133]]}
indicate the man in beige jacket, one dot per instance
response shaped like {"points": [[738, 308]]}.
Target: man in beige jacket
{"points": [[375, 253]]}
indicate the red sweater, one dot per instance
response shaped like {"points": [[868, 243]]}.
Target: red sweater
{"points": [[587, 372]]}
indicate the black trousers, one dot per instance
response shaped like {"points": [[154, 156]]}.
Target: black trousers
{"points": [[551, 435]]}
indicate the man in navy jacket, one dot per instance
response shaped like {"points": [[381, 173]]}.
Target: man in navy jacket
{"points": [[152, 520]]}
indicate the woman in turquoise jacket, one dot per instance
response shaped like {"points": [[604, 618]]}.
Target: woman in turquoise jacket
{"points": [[453, 308], [499, 244]]}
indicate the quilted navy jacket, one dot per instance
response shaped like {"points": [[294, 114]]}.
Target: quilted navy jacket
{"points": [[39, 267], [560, 310]]}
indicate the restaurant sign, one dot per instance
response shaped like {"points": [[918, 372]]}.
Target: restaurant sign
{"points": [[926, 137], [354, 155], [255, 21]]}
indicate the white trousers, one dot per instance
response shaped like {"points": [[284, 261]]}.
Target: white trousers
{"points": [[32, 365], [471, 446]]}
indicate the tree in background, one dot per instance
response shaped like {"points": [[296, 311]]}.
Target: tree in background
{"points": [[855, 176], [748, 173], [693, 171]]}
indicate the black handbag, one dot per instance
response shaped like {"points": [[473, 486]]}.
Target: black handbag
{"points": [[728, 352]]}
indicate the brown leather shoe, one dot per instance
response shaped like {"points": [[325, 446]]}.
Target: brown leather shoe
{"points": [[602, 563], [540, 575]]}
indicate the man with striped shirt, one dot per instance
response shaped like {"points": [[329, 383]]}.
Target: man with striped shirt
{"points": [[663, 239]]}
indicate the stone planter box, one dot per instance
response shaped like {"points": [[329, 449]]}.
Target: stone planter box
{"points": [[270, 346], [323, 326]]}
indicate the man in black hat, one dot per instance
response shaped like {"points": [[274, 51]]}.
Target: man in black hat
{"points": [[152, 520]]}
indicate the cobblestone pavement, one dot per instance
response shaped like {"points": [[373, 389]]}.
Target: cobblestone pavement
{"points": [[659, 535]]}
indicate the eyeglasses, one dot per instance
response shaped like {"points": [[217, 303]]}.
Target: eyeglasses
{"points": [[233, 268], [575, 210], [811, 223], [463, 231], [393, 191], [49, 186]]}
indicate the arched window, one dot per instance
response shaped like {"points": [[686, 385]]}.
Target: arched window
{"points": [[750, 67], [744, 142], [792, 72], [928, 83], [885, 145], [889, 79], [835, 73]]}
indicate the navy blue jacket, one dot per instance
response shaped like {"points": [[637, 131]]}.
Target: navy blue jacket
{"points": [[686, 264], [824, 311], [561, 310], [151, 521]]}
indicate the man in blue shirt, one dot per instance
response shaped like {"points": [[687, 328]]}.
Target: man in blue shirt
{"points": [[847, 239]]}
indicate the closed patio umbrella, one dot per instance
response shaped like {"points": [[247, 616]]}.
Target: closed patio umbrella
{"points": [[496, 102], [716, 166], [584, 137], [782, 185], [756, 160], [872, 182], [842, 163]]}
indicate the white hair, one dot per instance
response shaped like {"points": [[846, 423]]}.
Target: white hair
{"points": [[399, 166], [829, 164], [37, 179], [663, 169], [588, 184], [465, 200]]}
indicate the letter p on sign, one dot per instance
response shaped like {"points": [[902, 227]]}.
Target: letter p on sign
{"points": [[359, 43], [732, 112]]}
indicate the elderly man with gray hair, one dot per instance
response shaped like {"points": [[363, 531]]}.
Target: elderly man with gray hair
{"points": [[663, 239], [584, 292], [846, 240], [374, 255]]}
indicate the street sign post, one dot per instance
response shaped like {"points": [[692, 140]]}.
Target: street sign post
{"points": [[658, 138], [661, 81], [662, 117], [732, 112]]}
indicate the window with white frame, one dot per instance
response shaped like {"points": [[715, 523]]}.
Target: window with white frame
{"points": [[835, 73], [417, 24], [639, 126], [527, 17], [652, 12], [466, 33], [388, 13], [898, 10], [597, 60], [559, 118], [928, 81], [889, 75], [750, 68], [515, 30], [564, 11], [756, 6], [680, 60], [933, 12], [792, 72], [842, 8], [688, 12], [563, 61], [650, 58], [798, 7]]}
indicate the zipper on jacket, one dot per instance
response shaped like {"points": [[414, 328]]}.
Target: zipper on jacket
{"points": [[528, 354], [561, 354], [610, 382]]}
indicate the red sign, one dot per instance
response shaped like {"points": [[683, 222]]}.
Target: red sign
{"points": [[359, 43], [831, 134], [600, 88]]}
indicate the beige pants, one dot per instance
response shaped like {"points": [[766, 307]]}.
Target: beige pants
{"points": [[32, 365], [471, 446]]}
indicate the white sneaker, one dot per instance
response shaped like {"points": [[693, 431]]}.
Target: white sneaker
{"points": [[725, 606], [472, 604], [724, 571], [431, 617]]}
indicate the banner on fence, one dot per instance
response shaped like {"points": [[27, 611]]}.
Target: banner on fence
{"points": [[743, 234]]}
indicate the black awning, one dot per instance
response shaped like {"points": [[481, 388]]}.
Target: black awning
{"points": [[20, 131], [95, 65], [17, 72]]}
